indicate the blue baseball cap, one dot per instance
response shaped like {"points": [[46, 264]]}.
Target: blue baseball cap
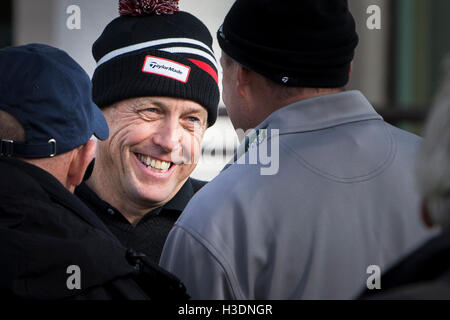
{"points": [[51, 96]]}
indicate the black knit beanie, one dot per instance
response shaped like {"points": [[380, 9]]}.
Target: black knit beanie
{"points": [[299, 43], [153, 49]]}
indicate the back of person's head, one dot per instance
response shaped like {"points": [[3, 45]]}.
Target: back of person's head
{"points": [[434, 159], [278, 52], [293, 43], [10, 128], [47, 116]]}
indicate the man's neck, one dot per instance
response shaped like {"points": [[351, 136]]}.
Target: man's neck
{"points": [[57, 167], [269, 104], [305, 94]]}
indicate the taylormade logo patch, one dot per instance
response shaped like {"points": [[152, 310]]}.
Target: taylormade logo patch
{"points": [[166, 68]]}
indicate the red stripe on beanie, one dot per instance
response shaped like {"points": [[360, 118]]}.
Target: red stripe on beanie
{"points": [[206, 67]]}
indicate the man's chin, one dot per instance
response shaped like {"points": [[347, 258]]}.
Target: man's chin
{"points": [[155, 197], [157, 193]]}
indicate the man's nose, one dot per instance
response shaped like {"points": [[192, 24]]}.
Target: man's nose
{"points": [[169, 135]]}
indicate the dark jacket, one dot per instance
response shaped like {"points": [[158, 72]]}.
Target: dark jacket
{"points": [[150, 233], [44, 230], [423, 275]]}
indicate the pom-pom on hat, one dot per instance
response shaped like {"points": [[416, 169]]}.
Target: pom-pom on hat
{"points": [[300, 43], [153, 49], [141, 7]]}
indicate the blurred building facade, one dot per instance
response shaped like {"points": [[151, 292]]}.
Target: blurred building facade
{"points": [[397, 67]]}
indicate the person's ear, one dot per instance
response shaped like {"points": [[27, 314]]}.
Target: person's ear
{"points": [[350, 72], [426, 216], [243, 81], [80, 161]]}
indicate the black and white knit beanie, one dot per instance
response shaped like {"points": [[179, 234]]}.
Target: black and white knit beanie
{"points": [[153, 49]]}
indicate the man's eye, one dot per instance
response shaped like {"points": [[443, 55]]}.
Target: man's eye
{"points": [[194, 119], [151, 110]]}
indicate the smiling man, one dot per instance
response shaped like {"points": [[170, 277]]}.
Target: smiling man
{"points": [[156, 82]]}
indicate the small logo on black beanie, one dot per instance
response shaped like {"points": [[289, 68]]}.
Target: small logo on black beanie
{"points": [[166, 68]]}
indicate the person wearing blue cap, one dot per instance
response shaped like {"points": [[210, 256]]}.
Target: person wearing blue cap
{"points": [[52, 246]]}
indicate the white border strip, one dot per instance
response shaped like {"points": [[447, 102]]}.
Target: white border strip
{"points": [[191, 51], [152, 43]]}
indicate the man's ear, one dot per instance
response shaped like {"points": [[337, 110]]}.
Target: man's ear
{"points": [[243, 80], [426, 216], [81, 159], [350, 72]]}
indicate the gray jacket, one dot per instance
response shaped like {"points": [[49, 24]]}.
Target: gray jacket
{"points": [[344, 198]]}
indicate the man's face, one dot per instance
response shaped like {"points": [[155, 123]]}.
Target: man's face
{"points": [[154, 146]]}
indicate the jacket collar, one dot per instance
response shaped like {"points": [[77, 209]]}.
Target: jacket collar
{"points": [[59, 193], [321, 112], [313, 114], [177, 203]]}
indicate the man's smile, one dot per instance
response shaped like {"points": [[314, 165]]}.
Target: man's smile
{"points": [[156, 165]]}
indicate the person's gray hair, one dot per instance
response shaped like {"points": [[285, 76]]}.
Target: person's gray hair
{"points": [[434, 157]]}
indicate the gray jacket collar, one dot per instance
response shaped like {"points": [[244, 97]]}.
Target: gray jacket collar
{"points": [[321, 112], [313, 114]]}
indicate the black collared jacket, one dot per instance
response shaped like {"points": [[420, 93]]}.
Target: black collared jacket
{"points": [[45, 231], [150, 234]]}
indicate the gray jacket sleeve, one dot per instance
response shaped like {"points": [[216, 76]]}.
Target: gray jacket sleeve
{"points": [[207, 280]]}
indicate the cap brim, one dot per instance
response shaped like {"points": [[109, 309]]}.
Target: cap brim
{"points": [[99, 125]]}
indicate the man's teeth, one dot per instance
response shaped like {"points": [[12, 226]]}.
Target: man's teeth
{"points": [[153, 163]]}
